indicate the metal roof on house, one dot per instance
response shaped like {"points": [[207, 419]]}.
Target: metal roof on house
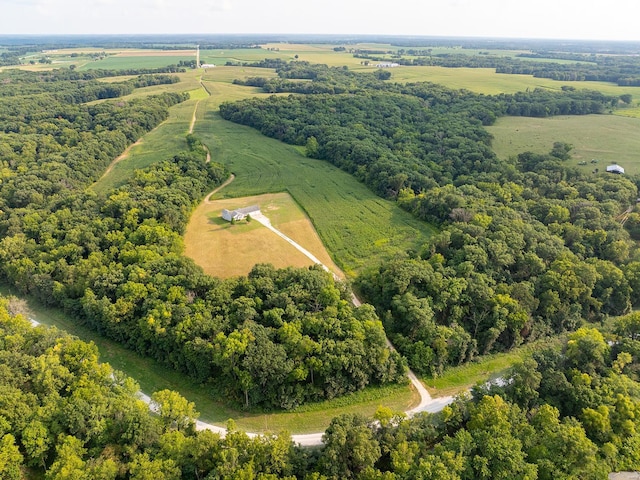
{"points": [[247, 210]]}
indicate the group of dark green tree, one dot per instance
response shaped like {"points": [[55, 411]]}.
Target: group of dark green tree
{"points": [[527, 247], [114, 261], [568, 412], [621, 69]]}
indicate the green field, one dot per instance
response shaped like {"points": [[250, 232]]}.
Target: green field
{"points": [[357, 227], [169, 138], [157, 145], [221, 57], [607, 138], [484, 368], [487, 81]]}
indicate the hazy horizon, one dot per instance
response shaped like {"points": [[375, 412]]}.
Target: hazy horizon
{"points": [[548, 19]]}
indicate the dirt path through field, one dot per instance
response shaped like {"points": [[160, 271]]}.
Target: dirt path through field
{"points": [[125, 154], [193, 117], [127, 150], [207, 199]]}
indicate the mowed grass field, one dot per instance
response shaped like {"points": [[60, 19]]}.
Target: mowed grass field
{"points": [[157, 145], [225, 250], [153, 376], [607, 138]]}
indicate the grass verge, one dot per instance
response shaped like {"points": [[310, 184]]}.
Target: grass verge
{"points": [[153, 376], [456, 380]]}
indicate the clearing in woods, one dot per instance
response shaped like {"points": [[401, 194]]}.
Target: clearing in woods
{"points": [[606, 138], [225, 250]]}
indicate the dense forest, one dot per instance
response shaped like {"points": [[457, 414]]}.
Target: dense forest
{"points": [[565, 413], [273, 339], [526, 248]]}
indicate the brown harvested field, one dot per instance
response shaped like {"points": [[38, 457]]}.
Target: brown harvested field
{"points": [[224, 250]]}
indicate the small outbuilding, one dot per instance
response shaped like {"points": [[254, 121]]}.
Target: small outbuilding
{"points": [[240, 213], [615, 169]]}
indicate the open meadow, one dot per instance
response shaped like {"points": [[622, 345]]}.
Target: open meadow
{"points": [[357, 227], [157, 145], [606, 138]]}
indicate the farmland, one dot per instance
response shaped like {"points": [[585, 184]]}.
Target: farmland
{"points": [[607, 138], [356, 226]]}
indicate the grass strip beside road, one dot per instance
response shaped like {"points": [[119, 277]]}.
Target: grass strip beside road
{"points": [[152, 376]]}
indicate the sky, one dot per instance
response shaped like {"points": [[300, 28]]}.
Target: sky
{"points": [[555, 19]]}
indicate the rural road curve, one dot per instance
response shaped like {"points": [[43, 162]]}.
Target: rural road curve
{"points": [[427, 404]]}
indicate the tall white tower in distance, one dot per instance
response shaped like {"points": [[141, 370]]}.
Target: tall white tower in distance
{"points": [[197, 56]]}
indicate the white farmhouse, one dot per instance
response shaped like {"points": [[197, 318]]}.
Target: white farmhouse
{"points": [[240, 213]]}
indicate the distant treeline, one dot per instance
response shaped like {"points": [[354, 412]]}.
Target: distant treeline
{"points": [[74, 87]]}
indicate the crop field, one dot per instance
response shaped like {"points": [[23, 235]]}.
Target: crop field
{"points": [[606, 138], [355, 225], [220, 57], [169, 137], [487, 81], [225, 250]]}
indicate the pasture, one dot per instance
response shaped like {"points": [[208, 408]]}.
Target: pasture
{"points": [[225, 250], [160, 144], [221, 57], [487, 81], [607, 138], [357, 227]]}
